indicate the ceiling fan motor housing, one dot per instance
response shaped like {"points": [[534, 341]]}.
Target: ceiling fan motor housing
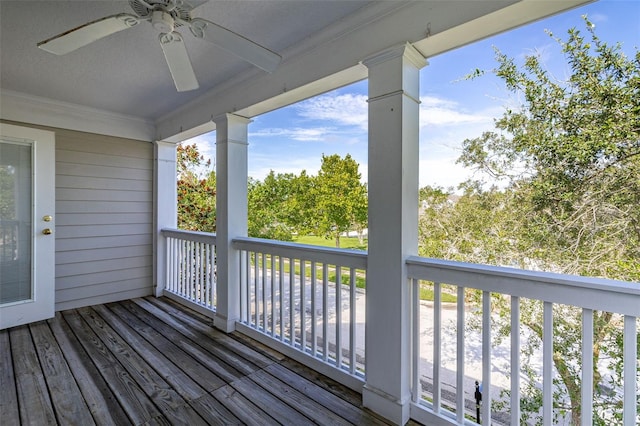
{"points": [[162, 21]]}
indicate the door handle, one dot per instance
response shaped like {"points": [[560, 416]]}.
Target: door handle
{"points": [[47, 231]]}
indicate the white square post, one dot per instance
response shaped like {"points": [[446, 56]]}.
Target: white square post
{"points": [[231, 214], [165, 205], [393, 227]]}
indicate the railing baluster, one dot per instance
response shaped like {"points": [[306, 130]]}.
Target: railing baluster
{"points": [[515, 361], [170, 263], [460, 356], [256, 295], [183, 266], [586, 404], [263, 282], [247, 268], [437, 345], [243, 286], [547, 365], [292, 318], [281, 278], [303, 302], [325, 311], [416, 391], [486, 358], [314, 315], [273, 296], [352, 320], [204, 273], [191, 269], [338, 317], [630, 359]]}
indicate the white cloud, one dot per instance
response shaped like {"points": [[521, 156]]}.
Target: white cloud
{"points": [[598, 17], [261, 164], [296, 133], [436, 111], [206, 144], [443, 172], [349, 109]]}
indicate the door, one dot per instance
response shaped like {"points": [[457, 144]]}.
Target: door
{"points": [[27, 244]]}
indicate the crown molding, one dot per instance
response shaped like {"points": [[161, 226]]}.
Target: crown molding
{"points": [[25, 108]]}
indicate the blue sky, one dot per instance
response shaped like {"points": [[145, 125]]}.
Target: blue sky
{"points": [[294, 138]]}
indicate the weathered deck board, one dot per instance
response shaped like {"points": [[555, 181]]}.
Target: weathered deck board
{"points": [[8, 396], [70, 406], [33, 396], [153, 362], [174, 353], [96, 392]]}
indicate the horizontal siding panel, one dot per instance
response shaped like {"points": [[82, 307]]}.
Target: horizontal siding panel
{"points": [[96, 266], [75, 281], [89, 255], [91, 231], [100, 144], [84, 182], [104, 288], [63, 304], [103, 207], [78, 157], [103, 219], [75, 244], [66, 194], [72, 169]]}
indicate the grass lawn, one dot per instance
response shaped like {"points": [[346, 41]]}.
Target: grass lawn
{"points": [[345, 242]]}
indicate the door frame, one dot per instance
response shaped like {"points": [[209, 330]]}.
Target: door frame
{"points": [[42, 304]]}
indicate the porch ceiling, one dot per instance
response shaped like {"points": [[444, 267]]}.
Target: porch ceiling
{"points": [[125, 75], [127, 72]]}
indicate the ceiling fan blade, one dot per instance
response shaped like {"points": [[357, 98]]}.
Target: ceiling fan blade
{"points": [[175, 52], [88, 33], [236, 44]]}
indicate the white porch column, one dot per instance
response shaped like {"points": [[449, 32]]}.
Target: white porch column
{"points": [[165, 206], [231, 214], [393, 227]]}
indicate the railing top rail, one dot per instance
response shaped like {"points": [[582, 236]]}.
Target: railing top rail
{"points": [[588, 292], [335, 256], [202, 237]]}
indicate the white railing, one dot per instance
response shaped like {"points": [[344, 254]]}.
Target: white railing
{"points": [[443, 369], [191, 268], [307, 299]]}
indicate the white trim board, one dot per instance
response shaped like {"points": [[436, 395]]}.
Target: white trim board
{"points": [[25, 108]]}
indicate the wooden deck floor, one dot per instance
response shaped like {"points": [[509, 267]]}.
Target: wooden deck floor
{"points": [[150, 361]]}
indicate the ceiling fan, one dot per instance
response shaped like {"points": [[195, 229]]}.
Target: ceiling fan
{"points": [[165, 16]]}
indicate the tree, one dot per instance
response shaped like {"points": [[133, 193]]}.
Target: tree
{"points": [[339, 198], [196, 190], [278, 205], [571, 155]]}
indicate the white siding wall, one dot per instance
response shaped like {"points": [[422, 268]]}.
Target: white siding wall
{"points": [[104, 215]]}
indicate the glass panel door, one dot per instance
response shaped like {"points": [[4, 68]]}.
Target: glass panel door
{"points": [[27, 225], [16, 201]]}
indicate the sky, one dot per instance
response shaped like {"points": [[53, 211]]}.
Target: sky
{"points": [[452, 108]]}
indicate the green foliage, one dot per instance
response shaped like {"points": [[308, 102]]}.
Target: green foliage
{"points": [[340, 199], [278, 206], [7, 197], [570, 154], [196, 190], [329, 204]]}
